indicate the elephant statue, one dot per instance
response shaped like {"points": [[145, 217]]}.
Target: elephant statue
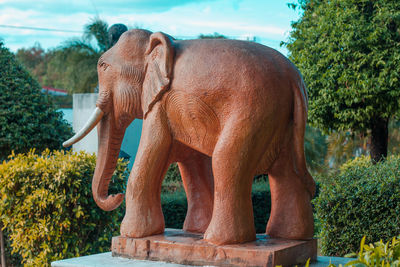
{"points": [[225, 110]]}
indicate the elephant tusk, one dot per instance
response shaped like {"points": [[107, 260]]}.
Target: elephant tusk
{"points": [[90, 124]]}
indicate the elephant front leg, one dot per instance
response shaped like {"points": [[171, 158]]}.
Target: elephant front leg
{"points": [[198, 181], [143, 215]]}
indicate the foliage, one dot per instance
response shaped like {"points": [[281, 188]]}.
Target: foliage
{"points": [[174, 207], [394, 137], [172, 181], [173, 174], [215, 35], [343, 146], [261, 198], [77, 64], [315, 146], [97, 29], [377, 254], [28, 118], [359, 199], [11, 259], [47, 206], [54, 73], [174, 202], [34, 59], [349, 54], [78, 57], [173, 198], [71, 66]]}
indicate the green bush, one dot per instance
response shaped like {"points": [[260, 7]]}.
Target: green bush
{"points": [[261, 197], [173, 198], [174, 206], [47, 208], [28, 118], [174, 203], [172, 181], [377, 254], [361, 199]]}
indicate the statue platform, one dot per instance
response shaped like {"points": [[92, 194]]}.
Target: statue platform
{"points": [[106, 260], [181, 247]]}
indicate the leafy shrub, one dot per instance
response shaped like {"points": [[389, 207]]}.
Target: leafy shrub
{"points": [[173, 174], [172, 181], [377, 254], [360, 199], [28, 118], [261, 197], [174, 204], [47, 208]]}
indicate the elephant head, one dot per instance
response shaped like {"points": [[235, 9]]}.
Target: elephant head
{"points": [[133, 76]]}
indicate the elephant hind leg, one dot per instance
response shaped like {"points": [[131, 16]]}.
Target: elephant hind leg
{"points": [[198, 181], [291, 211]]}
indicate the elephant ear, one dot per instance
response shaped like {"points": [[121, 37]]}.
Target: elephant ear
{"points": [[159, 58]]}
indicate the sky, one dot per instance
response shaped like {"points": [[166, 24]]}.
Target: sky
{"points": [[267, 20]]}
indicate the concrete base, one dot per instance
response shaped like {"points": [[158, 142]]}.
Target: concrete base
{"points": [[181, 247], [106, 260]]}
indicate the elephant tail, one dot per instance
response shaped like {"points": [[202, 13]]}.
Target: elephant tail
{"points": [[300, 119]]}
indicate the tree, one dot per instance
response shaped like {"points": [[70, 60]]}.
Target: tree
{"points": [[349, 54], [33, 60], [73, 65], [343, 146], [315, 148], [215, 35], [28, 118]]}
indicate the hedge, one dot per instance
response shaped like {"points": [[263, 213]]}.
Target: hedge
{"points": [[361, 199], [174, 203], [28, 118], [47, 208]]}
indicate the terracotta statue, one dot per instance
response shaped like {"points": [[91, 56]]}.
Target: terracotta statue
{"points": [[225, 110]]}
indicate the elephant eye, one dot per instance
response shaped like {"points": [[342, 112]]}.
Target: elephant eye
{"points": [[104, 65]]}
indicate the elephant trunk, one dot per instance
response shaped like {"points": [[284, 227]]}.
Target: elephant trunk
{"points": [[110, 140]]}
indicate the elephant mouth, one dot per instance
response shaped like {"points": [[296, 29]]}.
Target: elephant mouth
{"points": [[90, 124]]}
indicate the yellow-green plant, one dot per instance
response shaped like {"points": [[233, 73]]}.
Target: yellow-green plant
{"points": [[377, 254], [47, 208]]}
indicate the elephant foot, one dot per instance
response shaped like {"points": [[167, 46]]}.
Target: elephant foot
{"points": [[291, 216], [231, 224], [290, 225], [225, 233], [197, 219], [142, 225]]}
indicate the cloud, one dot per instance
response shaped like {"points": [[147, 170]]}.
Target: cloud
{"points": [[97, 6], [180, 18], [34, 18], [255, 29]]}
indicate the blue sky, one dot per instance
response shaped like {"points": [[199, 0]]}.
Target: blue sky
{"points": [[267, 20]]}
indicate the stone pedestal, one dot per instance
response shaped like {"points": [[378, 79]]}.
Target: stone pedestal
{"points": [[187, 248]]}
